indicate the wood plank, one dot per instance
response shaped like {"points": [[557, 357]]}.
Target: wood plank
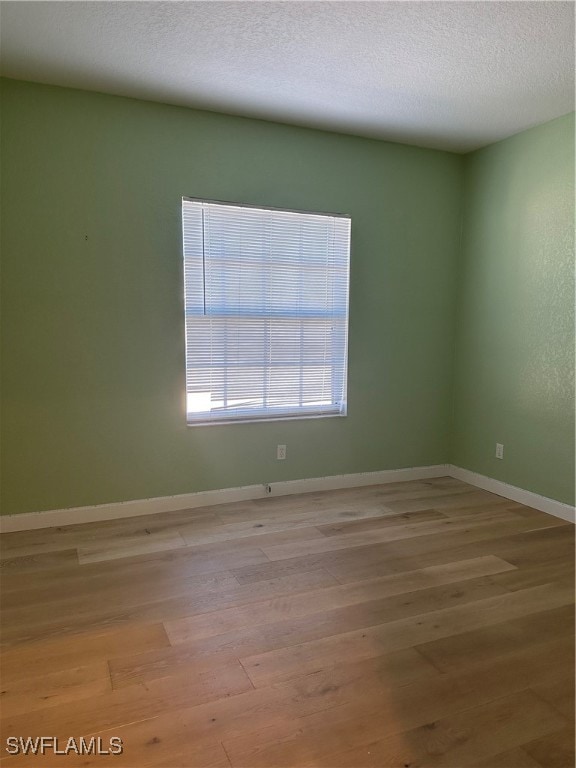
{"points": [[475, 498], [519, 547], [105, 591], [206, 653], [300, 534], [112, 548], [363, 687], [157, 610], [478, 733], [15, 569], [156, 566], [383, 521], [67, 536], [383, 710], [273, 666], [219, 622], [113, 534], [512, 758], [305, 523], [507, 522], [559, 693], [26, 694], [78, 650], [554, 750], [542, 573], [117, 708], [266, 708], [484, 643], [347, 501]]}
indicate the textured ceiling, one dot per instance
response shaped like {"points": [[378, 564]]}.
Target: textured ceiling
{"points": [[451, 75]]}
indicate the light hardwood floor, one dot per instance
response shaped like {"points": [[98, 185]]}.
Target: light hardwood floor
{"points": [[400, 626]]}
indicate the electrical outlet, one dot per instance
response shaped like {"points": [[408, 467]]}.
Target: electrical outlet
{"points": [[499, 451], [280, 452]]}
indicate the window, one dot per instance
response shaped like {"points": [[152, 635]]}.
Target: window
{"points": [[266, 297]]}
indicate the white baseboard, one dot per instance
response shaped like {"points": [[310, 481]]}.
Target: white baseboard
{"points": [[76, 515], [530, 499]]}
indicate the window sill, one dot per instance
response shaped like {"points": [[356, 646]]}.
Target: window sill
{"points": [[267, 420]]}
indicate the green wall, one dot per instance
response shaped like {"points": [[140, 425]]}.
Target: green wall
{"points": [[93, 346], [514, 381], [468, 254]]}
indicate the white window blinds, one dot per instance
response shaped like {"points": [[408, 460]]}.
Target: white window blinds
{"points": [[266, 296]]}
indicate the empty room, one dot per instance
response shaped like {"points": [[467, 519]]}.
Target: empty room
{"points": [[288, 351]]}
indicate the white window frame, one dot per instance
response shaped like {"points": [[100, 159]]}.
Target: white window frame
{"points": [[199, 308]]}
